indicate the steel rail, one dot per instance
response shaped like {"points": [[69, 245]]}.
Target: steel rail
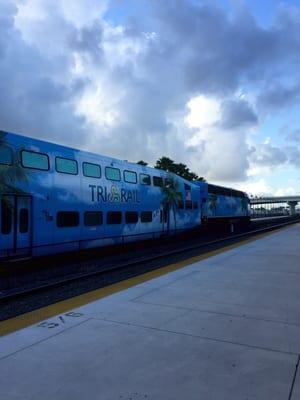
{"points": [[13, 295]]}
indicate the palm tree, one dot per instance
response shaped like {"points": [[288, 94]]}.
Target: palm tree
{"points": [[10, 175], [213, 199], [244, 203], [171, 197], [166, 164]]}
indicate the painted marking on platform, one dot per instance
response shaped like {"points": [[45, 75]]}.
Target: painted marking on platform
{"points": [[66, 306], [61, 320]]}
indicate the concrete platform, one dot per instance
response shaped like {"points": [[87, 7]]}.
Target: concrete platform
{"points": [[227, 327]]}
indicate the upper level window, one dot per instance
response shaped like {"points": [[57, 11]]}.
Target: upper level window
{"points": [[6, 156], [34, 160], [130, 176], [113, 174], [91, 170], [157, 181], [195, 205], [168, 182], [145, 179], [66, 166]]}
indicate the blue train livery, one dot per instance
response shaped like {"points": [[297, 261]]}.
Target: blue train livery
{"points": [[57, 199]]}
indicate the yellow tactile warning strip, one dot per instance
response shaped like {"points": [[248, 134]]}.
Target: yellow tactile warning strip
{"points": [[33, 317]]}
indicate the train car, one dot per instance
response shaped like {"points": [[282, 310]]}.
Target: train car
{"points": [[222, 205], [57, 199]]}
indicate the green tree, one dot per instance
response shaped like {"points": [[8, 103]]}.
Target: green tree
{"points": [[166, 164], [171, 197], [141, 162], [180, 169]]}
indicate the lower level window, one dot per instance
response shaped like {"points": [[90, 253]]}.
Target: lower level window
{"points": [[6, 218], [131, 217], [188, 204], [146, 216], [23, 220], [180, 205], [93, 218], [114, 217], [67, 219]]}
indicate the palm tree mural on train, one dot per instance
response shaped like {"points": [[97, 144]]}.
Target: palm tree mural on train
{"points": [[244, 204], [10, 175], [213, 199], [171, 197]]}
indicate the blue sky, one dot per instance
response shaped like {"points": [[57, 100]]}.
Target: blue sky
{"points": [[213, 84]]}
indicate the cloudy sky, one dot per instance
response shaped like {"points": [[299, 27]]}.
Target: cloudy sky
{"points": [[214, 84]]}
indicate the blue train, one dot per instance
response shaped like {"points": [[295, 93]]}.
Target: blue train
{"points": [[57, 199]]}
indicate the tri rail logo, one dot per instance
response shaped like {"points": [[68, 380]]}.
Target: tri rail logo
{"points": [[113, 195]]}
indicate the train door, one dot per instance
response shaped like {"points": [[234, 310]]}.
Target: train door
{"points": [[7, 225], [16, 225]]}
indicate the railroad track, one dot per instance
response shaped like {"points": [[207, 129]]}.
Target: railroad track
{"points": [[78, 283]]}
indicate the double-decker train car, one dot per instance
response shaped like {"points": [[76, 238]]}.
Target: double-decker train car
{"points": [[56, 199]]}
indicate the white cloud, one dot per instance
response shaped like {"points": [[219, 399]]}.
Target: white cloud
{"points": [[167, 83], [203, 112], [259, 187], [83, 12], [98, 106], [288, 191], [222, 153]]}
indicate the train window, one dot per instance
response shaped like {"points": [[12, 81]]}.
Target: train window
{"points": [[67, 219], [93, 218], [188, 204], [195, 205], [237, 193], [146, 216], [6, 156], [130, 177], [145, 179], [157, 181], [34, 160], [6, 218], [66, 166], [23, 220], [113, 174], [168, 182], [114, 217], [91, 170], [131, 217], [180, 205], [212, 189]]}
